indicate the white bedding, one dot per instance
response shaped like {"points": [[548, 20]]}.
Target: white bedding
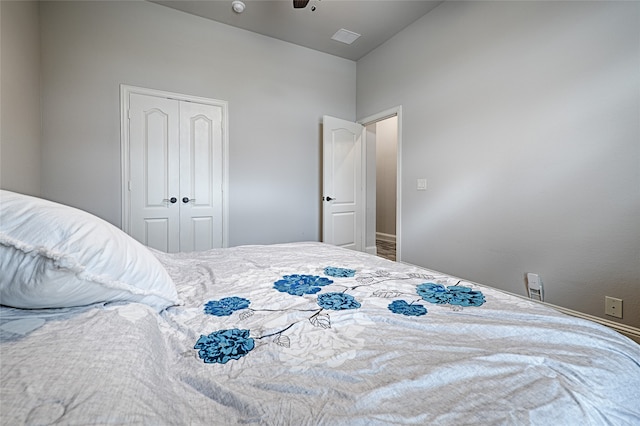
{"points": [[506, 361]]}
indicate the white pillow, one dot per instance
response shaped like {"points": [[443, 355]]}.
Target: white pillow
{"points": [[55, 256]]}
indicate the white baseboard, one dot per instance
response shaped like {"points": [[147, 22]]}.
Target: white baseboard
{"points": [[632, 333], [372, 250], [385, 237]]}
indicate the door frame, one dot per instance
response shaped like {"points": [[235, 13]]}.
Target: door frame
{"points": [[125, 92], [366, 121]]}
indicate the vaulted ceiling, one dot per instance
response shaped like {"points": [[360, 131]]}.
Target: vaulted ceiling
{"points": [[313, 26]]}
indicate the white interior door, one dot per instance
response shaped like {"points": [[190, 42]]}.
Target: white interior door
{"points": [[343, 199], [154, 184], [200, 176]]}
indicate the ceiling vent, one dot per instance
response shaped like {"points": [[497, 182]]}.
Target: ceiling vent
{"points": [[345, 36]]}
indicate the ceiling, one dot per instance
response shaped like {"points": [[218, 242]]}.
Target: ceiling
{"points": [[312, 27]]}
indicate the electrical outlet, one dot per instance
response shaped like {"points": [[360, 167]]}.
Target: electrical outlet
{"points": [[613, 306]]}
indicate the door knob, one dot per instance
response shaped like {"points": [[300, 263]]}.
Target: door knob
{"points": [[329, 198], [187, 199], [172, 200]]}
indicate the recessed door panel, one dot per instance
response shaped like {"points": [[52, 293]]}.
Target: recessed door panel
{"points": [[202, 228], [202, 159], [156, 141], [344, 229], [156, 234], [345, 165]]}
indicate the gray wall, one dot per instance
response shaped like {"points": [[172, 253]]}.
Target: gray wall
{"points": [[523, 117], [20, 101], [277, 94]]}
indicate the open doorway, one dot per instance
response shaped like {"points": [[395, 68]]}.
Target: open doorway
{"points": [[386, 171], [383, 143]]}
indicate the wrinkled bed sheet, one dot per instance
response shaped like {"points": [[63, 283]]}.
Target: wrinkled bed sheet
{"points": [[507, 361]]}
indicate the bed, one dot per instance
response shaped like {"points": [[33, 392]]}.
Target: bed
{"points": [[98, 329]]}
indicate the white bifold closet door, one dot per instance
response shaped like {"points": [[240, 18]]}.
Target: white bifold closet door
{"points": [[176, 172]]}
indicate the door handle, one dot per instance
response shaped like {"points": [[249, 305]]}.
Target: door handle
{"points": [[329, 198], [171, 200], [187, 200]]}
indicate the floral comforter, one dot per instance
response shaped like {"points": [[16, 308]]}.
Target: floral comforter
{"points": [[223, 345], [307, 334]]}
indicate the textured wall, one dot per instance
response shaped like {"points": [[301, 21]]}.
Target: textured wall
{"points": [[523, 117], [20, 87]]}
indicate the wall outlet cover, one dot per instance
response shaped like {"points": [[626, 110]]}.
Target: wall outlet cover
{"points": [[613, 306]]}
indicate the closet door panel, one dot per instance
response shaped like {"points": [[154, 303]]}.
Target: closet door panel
{"points": [[200, 176], [154, 171]]}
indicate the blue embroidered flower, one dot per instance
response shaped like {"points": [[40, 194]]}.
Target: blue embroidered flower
{"points": [[221, 346], [298, 285], [333, 271], [434, 293], [453, 294], [402, 307], [337, 301], [464, 296], [226, 306]]}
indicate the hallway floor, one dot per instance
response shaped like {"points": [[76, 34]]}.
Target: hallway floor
{"points": [[386, 249]]}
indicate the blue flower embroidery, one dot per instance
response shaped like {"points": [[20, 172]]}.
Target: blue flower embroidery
{"points": [[332, 271], [337, 301], [298, 285], [402, 307], [226, 306], [434, 293], [453, 294], [221, 346]]}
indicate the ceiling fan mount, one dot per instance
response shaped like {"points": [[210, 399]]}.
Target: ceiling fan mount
{"points": [[300, 4]]}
